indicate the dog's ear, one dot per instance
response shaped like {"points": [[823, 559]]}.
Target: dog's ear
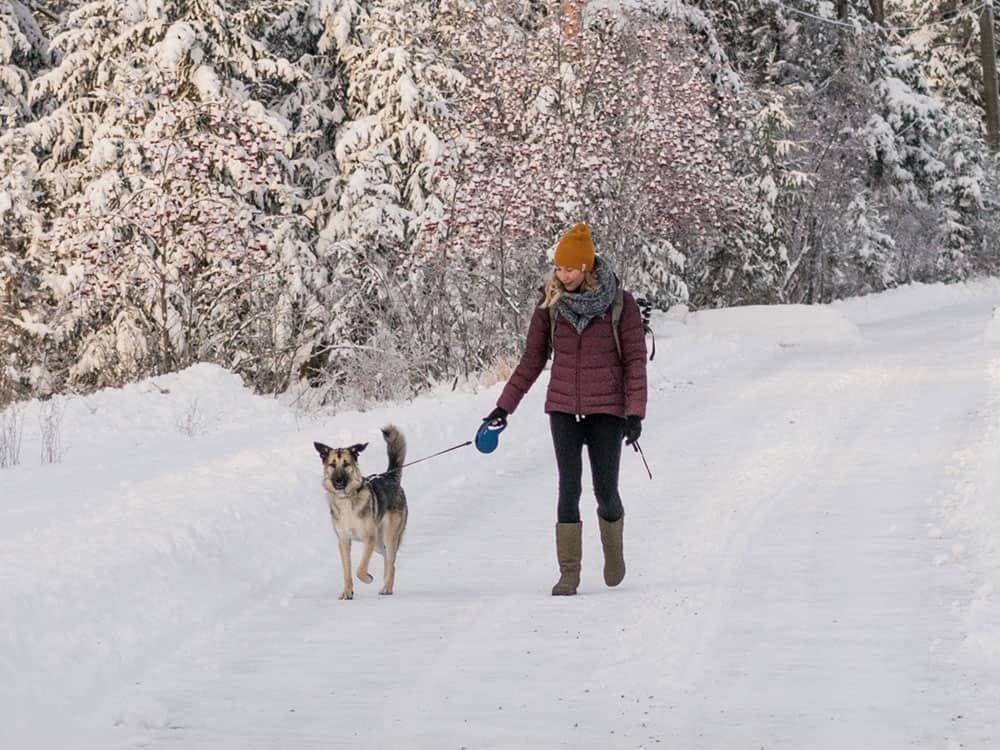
{"points": [[357, 448], [323, 450]]}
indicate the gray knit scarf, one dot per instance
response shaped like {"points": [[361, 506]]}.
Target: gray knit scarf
{"points": [[580, 308]]}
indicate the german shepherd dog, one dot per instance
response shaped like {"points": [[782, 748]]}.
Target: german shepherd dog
{"points": [[372, 511]]}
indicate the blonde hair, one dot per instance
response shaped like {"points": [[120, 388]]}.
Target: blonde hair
{"points": [[554, 288]]}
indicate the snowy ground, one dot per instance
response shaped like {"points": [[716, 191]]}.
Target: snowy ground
{"points": [[814, 566]]}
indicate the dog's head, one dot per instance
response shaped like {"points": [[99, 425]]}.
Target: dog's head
{"points": [[341, 474]]}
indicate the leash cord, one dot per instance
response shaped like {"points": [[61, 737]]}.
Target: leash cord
{"points": [[642, 455], [419, 460], [635, 445]]}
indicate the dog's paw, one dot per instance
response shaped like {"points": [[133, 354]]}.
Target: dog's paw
{"points": [[385, 592], [365, 577], [346, 595]]}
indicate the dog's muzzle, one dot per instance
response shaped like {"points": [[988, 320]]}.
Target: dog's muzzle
{"points": [[338, 482]]}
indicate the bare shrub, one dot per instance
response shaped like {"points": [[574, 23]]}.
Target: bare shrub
{"points": [[50, 417], [192, 421], [11, 431]]}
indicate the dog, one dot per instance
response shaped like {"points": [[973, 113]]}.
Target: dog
{"points": [[372, 510]]}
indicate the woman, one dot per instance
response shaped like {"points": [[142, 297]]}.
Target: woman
{"points": [[596, 394]]}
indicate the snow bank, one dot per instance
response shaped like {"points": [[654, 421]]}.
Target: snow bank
{"points": [[202, 400], [783, 325], [915, 298], [992, 332], [175, 497]]}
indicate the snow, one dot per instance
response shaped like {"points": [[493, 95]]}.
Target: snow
{"points": [[103, 154], [207, 82], [784, 325], [992, 332], [815, 564], [178, 42]]}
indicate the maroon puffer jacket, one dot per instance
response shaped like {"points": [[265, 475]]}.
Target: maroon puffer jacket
{"points": [[588, 376]]}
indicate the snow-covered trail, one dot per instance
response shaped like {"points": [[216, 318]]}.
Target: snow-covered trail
{"points": [[829, 619], [784, 592], [804, 572]]}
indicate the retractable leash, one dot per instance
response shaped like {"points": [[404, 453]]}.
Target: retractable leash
{"points": [[419, 460], [486, 442], [488, 435], [638, 449]]}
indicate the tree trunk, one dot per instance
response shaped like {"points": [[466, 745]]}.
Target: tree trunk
{"points": [[877, 8], [990, 76]]}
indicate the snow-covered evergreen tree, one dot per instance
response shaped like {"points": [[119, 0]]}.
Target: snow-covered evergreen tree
{"points": [[877, 142], [23, 53], [753, 265], [22, 227], [945, 36], [659, 268], [875, 254], [927, 156], [114, 56], [947, 39], [365, 191], [396, 86], [123, 70], [169, 261]]}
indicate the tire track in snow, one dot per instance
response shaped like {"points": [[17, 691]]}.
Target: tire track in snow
{"points": [[966, 528], [738, 624], [796, 596]]}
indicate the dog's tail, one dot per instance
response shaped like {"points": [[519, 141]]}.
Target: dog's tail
{"points": [[395, 446]]}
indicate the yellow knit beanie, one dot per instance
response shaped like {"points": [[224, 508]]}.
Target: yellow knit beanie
{"points": [[575, 249]]}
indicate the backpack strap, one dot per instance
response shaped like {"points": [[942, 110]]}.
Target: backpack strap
{"points": [[616, 316]]}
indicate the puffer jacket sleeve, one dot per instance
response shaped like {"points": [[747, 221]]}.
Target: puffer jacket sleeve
{"points": [[536, 352], [633, 342]]}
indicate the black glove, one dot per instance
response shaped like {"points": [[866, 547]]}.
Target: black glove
{"points": [[633, 429], [498, 416]]}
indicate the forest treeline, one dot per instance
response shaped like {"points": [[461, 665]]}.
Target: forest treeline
{"points": [[362, 195]]}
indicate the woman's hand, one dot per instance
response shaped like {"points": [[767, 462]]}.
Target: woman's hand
{"points": [[498, 417], [633, 429]]}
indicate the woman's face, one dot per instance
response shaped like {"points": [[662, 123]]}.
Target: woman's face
{"points": [[570, 278]]}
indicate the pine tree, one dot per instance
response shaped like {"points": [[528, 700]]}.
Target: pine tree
{"points": [[879, 143], [874, 256], [753, 265], [660, 269], [125, 274], [23, 53], [946, 38], [170, 262], [925, 154], [384, 192]]}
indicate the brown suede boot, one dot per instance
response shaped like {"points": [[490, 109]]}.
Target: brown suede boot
{"points": [[568, 550], [614, 553]]}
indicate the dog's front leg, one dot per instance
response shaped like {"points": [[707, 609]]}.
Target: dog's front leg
{"points": [[345, 564], [366, 556]]}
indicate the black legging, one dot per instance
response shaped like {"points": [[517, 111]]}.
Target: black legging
{"points": [[602, 434]]}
